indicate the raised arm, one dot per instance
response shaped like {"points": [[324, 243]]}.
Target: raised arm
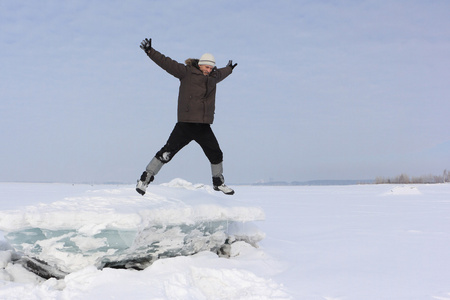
{"points": [[171, 66]]}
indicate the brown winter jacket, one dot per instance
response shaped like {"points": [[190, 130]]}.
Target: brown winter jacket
{"points": [[197, 93]]}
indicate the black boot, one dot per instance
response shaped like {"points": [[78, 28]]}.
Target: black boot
{"points": [[142, 184], [219, 185]]}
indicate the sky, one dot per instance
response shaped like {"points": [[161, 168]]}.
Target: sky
{"points": [[322, 89]]}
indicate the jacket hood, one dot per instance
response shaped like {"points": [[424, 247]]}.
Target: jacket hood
{"points": [[192, 62]]}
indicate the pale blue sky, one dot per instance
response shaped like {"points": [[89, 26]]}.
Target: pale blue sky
{"points": [[322, 90]]}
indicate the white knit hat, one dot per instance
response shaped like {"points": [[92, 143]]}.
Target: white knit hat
{"points": [[207, 59]]}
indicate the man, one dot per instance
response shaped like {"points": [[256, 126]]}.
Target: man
{"points": [[196, 105]]}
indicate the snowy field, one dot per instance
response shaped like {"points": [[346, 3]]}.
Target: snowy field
{"points": [[319, 242]]}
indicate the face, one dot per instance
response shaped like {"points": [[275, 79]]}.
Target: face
{"points": [[206, 69]]}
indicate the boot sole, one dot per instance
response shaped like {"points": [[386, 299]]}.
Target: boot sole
{"points": [[229, 193]]}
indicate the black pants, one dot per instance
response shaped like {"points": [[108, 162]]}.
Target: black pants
{"points": [[183, 134]]}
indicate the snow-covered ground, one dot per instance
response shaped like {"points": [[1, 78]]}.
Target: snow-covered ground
{"points": [[321, 242]]}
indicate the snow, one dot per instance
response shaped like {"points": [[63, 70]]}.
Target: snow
{"points": [[119, 227], [318, 242]]}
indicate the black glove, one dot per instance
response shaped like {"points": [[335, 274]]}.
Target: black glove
{"points": [[230, 64], [146, 45]]}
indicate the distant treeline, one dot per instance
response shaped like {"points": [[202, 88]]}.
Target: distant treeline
{"points": [[404, 179], [316, 182]]}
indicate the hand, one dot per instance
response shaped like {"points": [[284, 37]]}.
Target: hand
{"points": [[146, 45], [230, 64]]}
